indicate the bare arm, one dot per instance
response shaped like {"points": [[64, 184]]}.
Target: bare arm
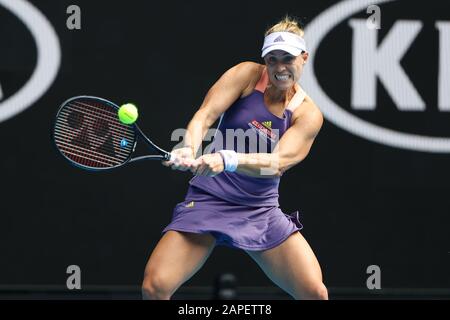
{"points": [[218, 99], [231, 85], [292, 148]]}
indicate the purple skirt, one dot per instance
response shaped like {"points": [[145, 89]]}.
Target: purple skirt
{"points": [[233, 225]]}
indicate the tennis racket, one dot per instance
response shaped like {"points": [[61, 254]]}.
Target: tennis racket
{"points": [[88, 133]]}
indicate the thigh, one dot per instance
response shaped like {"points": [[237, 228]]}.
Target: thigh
{"points": [[292, 265], [178, 256]]}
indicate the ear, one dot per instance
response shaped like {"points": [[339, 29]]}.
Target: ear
{"points": [[305, 56]]}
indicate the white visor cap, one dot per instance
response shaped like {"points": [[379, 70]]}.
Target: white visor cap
{"points": [[286, 41]]}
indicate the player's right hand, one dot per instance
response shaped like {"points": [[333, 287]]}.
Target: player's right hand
{"points": [[183, 158]]}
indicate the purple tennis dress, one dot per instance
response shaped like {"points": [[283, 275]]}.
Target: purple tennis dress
{"points": [[240, 211]]}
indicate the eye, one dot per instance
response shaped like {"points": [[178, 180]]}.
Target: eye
{"points": [[288, 59], [271, 60]]}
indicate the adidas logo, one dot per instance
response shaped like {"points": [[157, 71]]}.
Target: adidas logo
{"points": [[190, 204], [280, 38], [267, 124]]}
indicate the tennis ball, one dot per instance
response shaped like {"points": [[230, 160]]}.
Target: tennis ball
{"points": [[128, 113]]}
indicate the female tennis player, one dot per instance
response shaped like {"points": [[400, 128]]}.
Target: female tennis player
{"points": [[233, 198]]}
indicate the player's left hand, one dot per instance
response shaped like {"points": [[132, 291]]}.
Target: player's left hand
{"points": [[183, 157], [208, 165]]}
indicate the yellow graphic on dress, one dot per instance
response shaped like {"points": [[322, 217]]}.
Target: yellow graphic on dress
{"points": [[267, 124], [190, 204]]}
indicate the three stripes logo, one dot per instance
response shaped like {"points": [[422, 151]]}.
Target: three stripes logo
{"points": [[190, 204], [279, 39], [267, 124]]}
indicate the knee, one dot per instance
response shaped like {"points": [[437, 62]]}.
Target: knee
{"points": [[316, 292], [155, 287]]}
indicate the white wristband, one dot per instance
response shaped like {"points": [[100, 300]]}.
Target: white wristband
{"points": [[230, 160]]}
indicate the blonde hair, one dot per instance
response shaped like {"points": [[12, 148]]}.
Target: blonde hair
{"points": [[287, 24]]}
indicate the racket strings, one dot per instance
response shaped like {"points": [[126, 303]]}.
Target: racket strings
{"points": [[73, 146], [99, 127], [96, 135], [104, 118], [77, 145], [90, 134]]}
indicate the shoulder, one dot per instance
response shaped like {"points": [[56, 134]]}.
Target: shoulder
{"points": [[306, 107], [244, 73], [308, 115], [249, 68], [250, 72]]}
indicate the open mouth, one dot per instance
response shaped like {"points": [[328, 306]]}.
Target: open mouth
{"points": [[282, 77]]}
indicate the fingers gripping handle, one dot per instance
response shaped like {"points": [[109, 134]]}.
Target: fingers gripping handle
{"points": [[172, 158]]}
